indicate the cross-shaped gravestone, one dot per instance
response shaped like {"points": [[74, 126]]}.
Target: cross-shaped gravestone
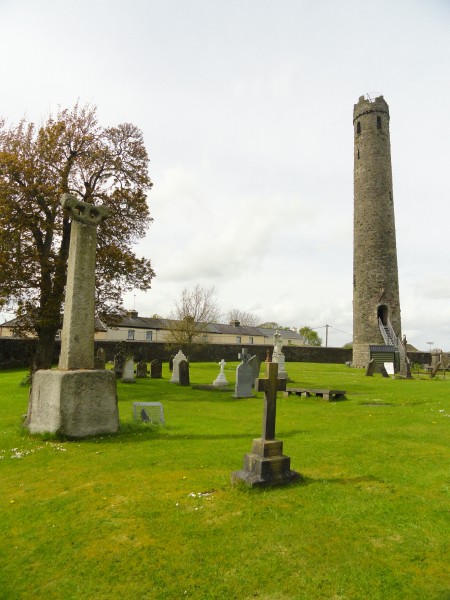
{"points": [[270, 386], [244, 355], [266, 465]]}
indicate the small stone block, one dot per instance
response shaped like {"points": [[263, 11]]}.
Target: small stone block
{"points": [[267, 448]]}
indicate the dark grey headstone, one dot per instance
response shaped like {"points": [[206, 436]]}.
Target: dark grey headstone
{"points": [[119, 363], [370, 370], [244, 381], [255, 364], [155, 369], [141, 369], [171, 363], [184, 373]]}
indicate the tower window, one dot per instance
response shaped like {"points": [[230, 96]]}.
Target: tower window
{"points": [[358, 153], [378, 122], [358, 127]]}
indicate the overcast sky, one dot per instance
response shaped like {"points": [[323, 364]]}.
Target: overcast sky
{"points": [[246, 109]]}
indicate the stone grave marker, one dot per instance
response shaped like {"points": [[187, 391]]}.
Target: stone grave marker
{"points": [[183, 372], [128, 370], [266, 465], [255, 364], [76, 400], [141, 370], [370, 368], [100, 359], [156, 369], [278, 356], [383, 371], [244, 377], [171, 363], [221, 380], [119, 362], [176, 367], [389, 366], [435, 369]]}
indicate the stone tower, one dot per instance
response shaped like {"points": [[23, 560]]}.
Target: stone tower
{"points": [[375, 273]]}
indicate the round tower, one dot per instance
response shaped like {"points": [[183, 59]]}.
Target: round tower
{"points": [[375, 273]]}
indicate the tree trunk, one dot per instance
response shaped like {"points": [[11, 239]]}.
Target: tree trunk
{"points": [[45, 348]]}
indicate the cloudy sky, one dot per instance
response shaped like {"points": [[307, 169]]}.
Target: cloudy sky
{"points": [[246, 108]]}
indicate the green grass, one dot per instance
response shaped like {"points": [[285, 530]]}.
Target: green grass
{"points": [[150, 512]]}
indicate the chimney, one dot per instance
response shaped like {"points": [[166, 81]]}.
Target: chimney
{"points": [[235, 323], [133, 314]]}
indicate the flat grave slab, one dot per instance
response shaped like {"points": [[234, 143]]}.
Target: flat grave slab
{"points": [[326, 394]]}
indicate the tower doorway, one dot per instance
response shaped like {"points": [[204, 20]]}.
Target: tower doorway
{"points": [[382, 313]]}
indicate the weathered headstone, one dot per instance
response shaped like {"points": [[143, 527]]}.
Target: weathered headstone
{"points": [[155, 369], [370, 370], [128, 370], [183, 372], [266, 465], [175, 367], [119, 362], [383, 371], [100, 359], [221, 380], [141, 370], [244, 377], [171, 363], [255, 364], [76, 400], [435, 369]]}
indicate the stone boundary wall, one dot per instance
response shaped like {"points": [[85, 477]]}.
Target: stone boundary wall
{"points": [[18, 352]]}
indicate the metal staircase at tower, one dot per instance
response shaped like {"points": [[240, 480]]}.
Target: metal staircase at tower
{"points": [[390, 339]]}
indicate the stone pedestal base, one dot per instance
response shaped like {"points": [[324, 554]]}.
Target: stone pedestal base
{"points": [[74, 403], [266, 466]]}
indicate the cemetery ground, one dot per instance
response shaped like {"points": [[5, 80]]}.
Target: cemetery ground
{"points": [[151, 513]]}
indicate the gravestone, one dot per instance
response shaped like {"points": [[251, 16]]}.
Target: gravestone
{"points": [[141, 370], [255, 364], [370, 370], [244, 377], [176, 367], [266, 465], [171, 363], [435, 369], [183, 372], [278, 356], [100, 359], [128, 370], [390, 370], [119, 362], [76, 400], [155, 369], [221, 380], [383, 371]]}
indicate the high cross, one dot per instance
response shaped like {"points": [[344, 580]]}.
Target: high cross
{"points": [[270, 386]]}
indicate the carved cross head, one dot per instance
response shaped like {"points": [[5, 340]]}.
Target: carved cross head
{"points": [[86, 213]]}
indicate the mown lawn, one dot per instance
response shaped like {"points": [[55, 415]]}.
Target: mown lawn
{"points": [[151, 513]]}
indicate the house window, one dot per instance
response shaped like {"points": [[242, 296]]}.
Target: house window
{"points": [[250, 340], [131, 334], [238, 339], [149, 336]]}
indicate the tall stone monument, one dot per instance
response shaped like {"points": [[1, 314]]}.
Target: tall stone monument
{"points": [[76, 400], [278, 356], [376, 301]]}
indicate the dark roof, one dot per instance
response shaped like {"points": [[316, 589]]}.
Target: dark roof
{"points": [[99, 325], [136, 322], [382, 348]]}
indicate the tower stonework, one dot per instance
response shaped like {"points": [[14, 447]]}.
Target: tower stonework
{"points": [[375, 270]]}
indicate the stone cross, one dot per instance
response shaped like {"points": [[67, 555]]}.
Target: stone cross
{"points": [[244, 355], [77, 347], [270, 386]]}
